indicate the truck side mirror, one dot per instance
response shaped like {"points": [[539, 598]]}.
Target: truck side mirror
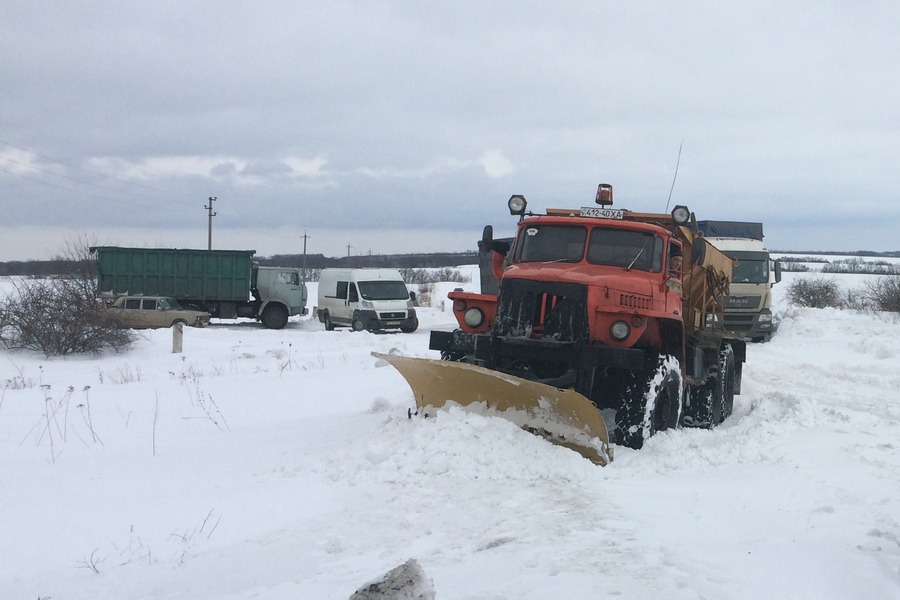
{"points": [[777, 271], [488, 244], [698, 251], [412, 296]]}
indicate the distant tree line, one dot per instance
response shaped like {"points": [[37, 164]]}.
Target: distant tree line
{"points": [[394, 261], [863, 253], [63, 266]]}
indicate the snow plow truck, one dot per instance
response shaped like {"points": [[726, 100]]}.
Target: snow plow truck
{"points": [[605, 321]]}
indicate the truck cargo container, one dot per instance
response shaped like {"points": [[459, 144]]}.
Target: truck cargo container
{"points": [[225, 283]]}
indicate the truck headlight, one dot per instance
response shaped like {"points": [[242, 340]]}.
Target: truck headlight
{"points": [[765, 317], [474, 317], [367, 304], [620, 330]]}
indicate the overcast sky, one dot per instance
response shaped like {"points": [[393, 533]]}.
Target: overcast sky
{"points": [[404, 126]]}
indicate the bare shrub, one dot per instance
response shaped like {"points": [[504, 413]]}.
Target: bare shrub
{"points": [[855, 300], [61, 314], [884, 293], [426, 291], [815, 292], [442, 274]]}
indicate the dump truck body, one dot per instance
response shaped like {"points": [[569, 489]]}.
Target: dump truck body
{"points": [[225, 283]]}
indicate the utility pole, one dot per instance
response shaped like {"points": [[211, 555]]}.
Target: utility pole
{"points": [[348, 255], [305, 237], [211, 215]]}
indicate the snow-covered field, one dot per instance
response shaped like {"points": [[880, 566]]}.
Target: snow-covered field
{"points": [[281, 464]]}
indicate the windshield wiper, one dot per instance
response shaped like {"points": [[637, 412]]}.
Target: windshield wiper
{"points": [[641, 251]]}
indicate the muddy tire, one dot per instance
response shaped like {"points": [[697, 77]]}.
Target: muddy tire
{"points": [[713, 402], [411, 328], [329, 326], [357, 324], [649, 401], [274, 317]]}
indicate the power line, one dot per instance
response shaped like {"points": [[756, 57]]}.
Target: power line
{"points": [[70, 178], [97, 173]]}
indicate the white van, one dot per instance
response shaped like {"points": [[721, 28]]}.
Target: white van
{"points": [[371, 299]]}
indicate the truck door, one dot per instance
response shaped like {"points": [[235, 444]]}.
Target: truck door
{"points": [[286, 286], [673, 278]]}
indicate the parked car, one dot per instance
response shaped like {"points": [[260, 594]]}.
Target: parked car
{"points": [[147, 312]]}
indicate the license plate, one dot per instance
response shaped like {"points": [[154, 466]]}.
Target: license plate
{"points": [[393, 323], [602, 213]]}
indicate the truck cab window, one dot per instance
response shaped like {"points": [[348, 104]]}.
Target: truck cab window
{"points": [[342, 290], [676, 261], [354, 295], [551, 243], [625, 248], [289, 277], [749, 270]]}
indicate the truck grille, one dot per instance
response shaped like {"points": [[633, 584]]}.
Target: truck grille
{"points": [[540, 309], [393, 315], [739, 323], [633, 301]]}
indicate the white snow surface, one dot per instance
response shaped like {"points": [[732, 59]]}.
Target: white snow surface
{"points": [[282, 464]]}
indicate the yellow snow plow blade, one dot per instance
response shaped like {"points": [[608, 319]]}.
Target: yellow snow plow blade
{"points": [[563, 417]]}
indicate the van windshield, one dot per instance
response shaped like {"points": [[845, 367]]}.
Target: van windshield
{"points": [[383, 290]]}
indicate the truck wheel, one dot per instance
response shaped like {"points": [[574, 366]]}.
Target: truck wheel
{"points": [[703, 410], [274, 317], [411, 328], [649, 402], [357, 324], [713, 402], [329, 326]]}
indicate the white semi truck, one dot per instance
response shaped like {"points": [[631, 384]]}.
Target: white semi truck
{"points": [[748, 308]]}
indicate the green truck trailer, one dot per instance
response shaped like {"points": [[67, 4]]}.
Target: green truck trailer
{"points": [[225, 283]]}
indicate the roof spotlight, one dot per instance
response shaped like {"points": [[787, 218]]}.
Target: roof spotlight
{"points": [[681, 215], [517, 204]]}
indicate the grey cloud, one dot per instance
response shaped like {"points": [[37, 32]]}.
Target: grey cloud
{"points": [[419, 115]]}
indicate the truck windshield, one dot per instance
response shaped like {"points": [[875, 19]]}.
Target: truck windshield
{"points": [[639, 250], [748, 270], [383, 290], [551, 243]]}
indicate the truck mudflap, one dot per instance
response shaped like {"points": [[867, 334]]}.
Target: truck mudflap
{"points": [[563, 417]]}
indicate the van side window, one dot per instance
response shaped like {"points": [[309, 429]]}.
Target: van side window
{"points": [[342, 290], [150, 305], [133, 303], [354, 295]]}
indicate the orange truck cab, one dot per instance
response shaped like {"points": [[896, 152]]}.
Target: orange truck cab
{"points": [[591, 299]]}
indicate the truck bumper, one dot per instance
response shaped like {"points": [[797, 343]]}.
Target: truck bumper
{"points": [[754, 326], [493, 351]]}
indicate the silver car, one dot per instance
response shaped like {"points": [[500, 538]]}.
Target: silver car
{"points": [[148, 312]]}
